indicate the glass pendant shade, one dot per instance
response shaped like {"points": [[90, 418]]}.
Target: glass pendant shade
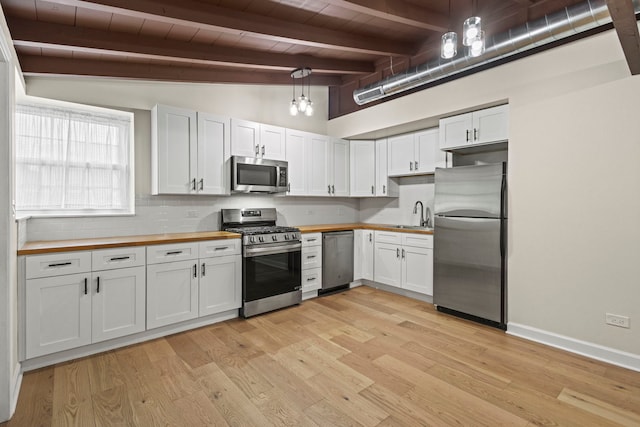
{"points": [[302, 103], [449, 47], [309, 110], [293, 108], [477, 45], [471, 30]]}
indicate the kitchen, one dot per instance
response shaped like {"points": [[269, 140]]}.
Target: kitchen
{"points": [[573, 142]]}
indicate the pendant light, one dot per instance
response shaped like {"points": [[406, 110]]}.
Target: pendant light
{"points": [[303, 104], [476, 48], [472, 37], [449, 44], [471, 30]]}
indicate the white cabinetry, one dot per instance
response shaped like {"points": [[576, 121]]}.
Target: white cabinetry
{"points": [[486, 126], [251, 139], [328, 166], [67, 305], [297, 150], [414, 153], [404, 260], [311, 264], [363, 256], [189, 151], [385, 186], [363, 168], [189, 280]]}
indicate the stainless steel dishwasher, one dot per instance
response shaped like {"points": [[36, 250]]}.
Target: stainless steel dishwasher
{"points": [[337, 261]]}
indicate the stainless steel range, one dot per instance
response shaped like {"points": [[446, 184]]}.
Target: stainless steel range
{"points": [[271, 260]]}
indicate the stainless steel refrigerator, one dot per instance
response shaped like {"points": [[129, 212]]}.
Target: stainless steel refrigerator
{"points": [[470, 242]]}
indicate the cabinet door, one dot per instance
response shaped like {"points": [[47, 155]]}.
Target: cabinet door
{"points": [[220, 284], [58, 314], [214, 146], [417, 269], [340, 183], [363, 173], [367, 255], [117, 303], [400, 155], [384, 186], [272, 142], [317, 162], [491, 125], [428, 153], [296, 149], [172, 293], [245, 138], [173, 150], [388, 264], [456, 131]]}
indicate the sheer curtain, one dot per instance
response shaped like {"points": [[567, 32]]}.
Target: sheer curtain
{"points": [[71, 161]]}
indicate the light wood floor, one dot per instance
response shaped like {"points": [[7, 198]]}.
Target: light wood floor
{"points": [[361, 357]]}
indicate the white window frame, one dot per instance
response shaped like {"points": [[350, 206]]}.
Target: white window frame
{"points": [[85, 109]]}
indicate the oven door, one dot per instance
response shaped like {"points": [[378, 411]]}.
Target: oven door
{"points": [[271, 270]]}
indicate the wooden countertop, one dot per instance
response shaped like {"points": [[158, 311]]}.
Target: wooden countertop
{"points": [[51, 246]]}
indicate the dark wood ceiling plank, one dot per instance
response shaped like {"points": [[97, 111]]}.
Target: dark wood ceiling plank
{"points": [[624, 21], [53, 66], [399, 11], [43, 34], [201, 15]]}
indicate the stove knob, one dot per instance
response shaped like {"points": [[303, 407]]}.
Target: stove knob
{"points": [[252, 239], [274, 238], [286, 237], [293, 236], [261, 238]]}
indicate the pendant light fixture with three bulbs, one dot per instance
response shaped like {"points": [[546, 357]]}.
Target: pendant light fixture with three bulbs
{"points": [[472, 37], [302, 104]]}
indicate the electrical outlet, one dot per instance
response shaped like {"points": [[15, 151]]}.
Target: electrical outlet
{"points": [[617, 320]]}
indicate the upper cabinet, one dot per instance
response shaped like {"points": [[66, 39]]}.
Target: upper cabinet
{"points": [[188, 151], [384, 185], [327, 163], [363, 168], [251, 139], [414, 153], [297, 149], [486, 126]]}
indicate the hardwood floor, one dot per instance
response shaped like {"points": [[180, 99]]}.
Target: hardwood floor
{"points": [[361, 357]]}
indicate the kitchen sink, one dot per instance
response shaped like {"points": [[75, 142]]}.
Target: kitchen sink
{"points": [[413, 227]]}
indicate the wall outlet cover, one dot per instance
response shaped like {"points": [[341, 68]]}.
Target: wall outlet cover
{"points": [[617, 320]]}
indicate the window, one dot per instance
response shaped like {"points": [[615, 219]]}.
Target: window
{"points": [[73, 160]]}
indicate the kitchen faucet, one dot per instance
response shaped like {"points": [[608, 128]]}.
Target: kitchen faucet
{"points": [[423, 223]]}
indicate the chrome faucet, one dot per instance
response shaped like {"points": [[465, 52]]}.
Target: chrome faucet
{"points": [[423, 223]]}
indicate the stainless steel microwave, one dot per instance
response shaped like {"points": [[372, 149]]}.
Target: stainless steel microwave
{"points": [[253, 175]]}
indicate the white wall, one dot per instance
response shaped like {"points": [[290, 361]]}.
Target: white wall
{"points": [[574, 183], [399, 210]]}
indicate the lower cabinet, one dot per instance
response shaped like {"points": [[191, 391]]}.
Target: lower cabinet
{"points": [[311, 264], [404, 260], [363, 258], [172, 292], [220, 284]]}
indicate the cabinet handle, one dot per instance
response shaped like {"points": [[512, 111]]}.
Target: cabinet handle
{"points": [[201, 183], [467, 135], [416, 167], [203, 270], [85, 285], [257, 149], [60, 264], [174, 253], [397, 252], [195, 270], [310, 256], [220, 248], [193, 184], [119, 258], [289, 187], [475, 134], [410, 166], [263, 150], [403, 253], [98, 286], [384, 189], [312, 240], [370, 237], [329, 189], [372, 190], [310, 279], [333, 189]]}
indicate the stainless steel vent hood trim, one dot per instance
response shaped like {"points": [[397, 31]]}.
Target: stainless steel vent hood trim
{"points": [[553, 27]]}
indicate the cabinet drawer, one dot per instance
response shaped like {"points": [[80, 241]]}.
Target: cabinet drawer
{"points": [[311, 257], [311, 239], [388, 237], [417, 240], [58, 264], [168, 253], [311, 279], [107, 259], [219, 248]]}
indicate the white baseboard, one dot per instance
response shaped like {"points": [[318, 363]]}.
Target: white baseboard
{"points": [[16, 383], [584, 348]]}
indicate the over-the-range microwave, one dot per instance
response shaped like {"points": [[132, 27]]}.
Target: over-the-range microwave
{"points": [[254, 175]]}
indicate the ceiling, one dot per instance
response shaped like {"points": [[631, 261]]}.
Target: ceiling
{"points": [[347, 43]]}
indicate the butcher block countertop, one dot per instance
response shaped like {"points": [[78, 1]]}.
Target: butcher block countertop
{"points": [[50, 246]]}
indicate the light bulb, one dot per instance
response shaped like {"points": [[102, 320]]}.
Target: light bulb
{"points": [[470, 30], [477, 45], [302, 103], [293, 108], [309, 110], [449, 46]]}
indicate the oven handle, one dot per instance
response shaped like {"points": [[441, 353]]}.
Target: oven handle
{"points": [[270, 250]]}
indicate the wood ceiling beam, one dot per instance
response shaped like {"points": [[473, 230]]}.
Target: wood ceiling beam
{"points": [[55, 66], [624, 21], [399, 11], [43, 34], [195, 14]]}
